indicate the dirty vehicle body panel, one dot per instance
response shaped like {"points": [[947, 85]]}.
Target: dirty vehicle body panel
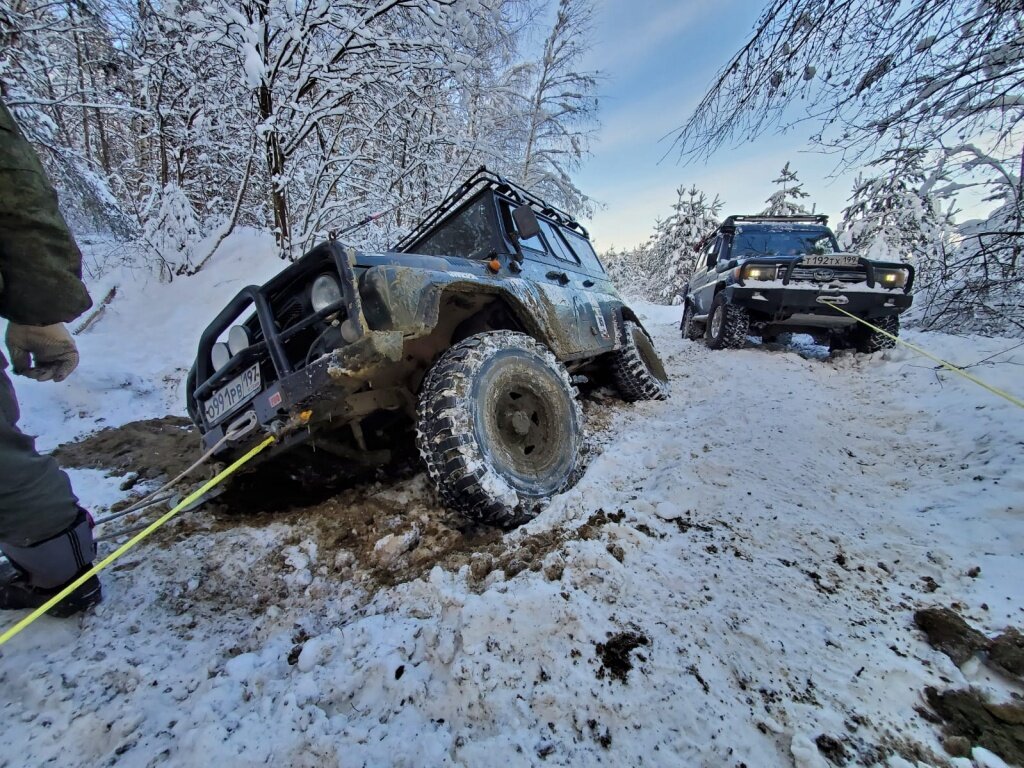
{"points": [[788, 271], [349, 371]]}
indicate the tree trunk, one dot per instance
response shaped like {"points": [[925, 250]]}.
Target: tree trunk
{"points": [[276, 164], [81, 86], [272, 145]]}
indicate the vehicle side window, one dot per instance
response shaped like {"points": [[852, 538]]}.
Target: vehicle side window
{"points": [[468, 234], [558, 246], [584, 252]]}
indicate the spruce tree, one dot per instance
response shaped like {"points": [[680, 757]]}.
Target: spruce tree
{"points": [[784, 202]]}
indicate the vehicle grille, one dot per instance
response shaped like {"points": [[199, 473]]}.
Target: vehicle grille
{"points": [[827, 275]]}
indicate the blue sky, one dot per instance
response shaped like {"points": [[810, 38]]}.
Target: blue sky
{"points": [[658, 58]]}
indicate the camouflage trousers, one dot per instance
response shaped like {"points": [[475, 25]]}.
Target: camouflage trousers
{"points": [[36, 501]]}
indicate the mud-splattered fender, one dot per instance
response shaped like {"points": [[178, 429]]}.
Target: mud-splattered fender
{"points": [[409, 299]]}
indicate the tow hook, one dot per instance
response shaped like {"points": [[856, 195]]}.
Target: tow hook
{"points": [[833, 300]]}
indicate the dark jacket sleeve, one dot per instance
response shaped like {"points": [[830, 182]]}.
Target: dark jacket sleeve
{"points": [[40, 264]]}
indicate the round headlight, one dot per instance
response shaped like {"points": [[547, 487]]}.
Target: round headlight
{"points": [[220, 355], [326, 291], [238, 339]]}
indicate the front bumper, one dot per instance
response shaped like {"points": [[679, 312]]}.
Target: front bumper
{"points": [[287, 391], [780, 303], [323, 387]]}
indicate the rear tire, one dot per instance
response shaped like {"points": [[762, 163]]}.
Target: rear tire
{"points": [[499, 427], [728, 325], [690, 328], [867, 340], [638, 371]]}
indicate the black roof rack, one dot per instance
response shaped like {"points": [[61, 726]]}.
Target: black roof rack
{"points": [[485, 179], [810, 218]]}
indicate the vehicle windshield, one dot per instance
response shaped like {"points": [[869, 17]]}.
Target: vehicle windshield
{"points": [[469, 234], [782, 242]]}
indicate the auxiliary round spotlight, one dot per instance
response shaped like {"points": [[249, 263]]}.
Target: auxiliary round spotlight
{"points": [[238, 339], [220, 355]]}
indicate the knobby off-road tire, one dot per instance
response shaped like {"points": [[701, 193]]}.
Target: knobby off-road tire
{"points": [[867, 340], [638, 371], [728, 325], [690, 328], [839, 341], [499, 427]]}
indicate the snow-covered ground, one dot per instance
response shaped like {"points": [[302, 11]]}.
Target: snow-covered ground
{"points": [[734, 577]]}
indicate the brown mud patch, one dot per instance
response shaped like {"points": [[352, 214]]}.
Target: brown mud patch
{"points": [[947, 631], [390, 532], [150, 449], [614, 654], [968, 718], [383, 526]]}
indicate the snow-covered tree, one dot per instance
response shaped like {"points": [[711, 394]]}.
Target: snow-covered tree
{"points": [[675, 242], [978, 285], [659, 269], [784, 202], [559, 110], [870, 74], [173, 232], [57, 74], [303, 116], [893, 214]]}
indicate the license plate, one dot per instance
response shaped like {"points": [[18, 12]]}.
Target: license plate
{"points": [[830, 260], [233, 395]]}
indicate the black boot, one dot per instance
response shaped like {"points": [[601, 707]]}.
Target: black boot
{"points": [[18, 594], [39, 571]]}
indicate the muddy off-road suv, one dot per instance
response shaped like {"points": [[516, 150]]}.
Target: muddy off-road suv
{"points": [[768, 275], [472, 334]]}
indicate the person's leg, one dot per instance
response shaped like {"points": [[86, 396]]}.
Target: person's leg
{"points": [[44, 534], [36, 501]]}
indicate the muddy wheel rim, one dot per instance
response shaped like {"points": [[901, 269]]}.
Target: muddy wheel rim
{"points": [[527, 425]]}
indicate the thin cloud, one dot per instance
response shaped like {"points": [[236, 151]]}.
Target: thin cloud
{"points": [[620, 53]]}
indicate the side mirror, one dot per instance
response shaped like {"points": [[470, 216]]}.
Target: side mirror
{"points": [[526, 222], [725, 266]]}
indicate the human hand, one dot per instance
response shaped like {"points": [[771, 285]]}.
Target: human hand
{"points": [[42, 352]]}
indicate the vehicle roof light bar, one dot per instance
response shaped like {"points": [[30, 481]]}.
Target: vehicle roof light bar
{"points": [[816, 218]]}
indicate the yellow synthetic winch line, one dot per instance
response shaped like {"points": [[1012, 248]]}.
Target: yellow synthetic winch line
{"points": [[8, 634], [955, 369]]}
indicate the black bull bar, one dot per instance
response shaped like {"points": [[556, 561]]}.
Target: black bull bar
{"points": [[203, 381]]}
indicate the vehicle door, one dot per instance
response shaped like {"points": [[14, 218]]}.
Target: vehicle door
{"points": [[557, 273], [595, 300], [702, 284]]}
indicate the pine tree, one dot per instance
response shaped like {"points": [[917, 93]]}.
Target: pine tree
{"points": [[893, 217], [784, 202], [694, 216], [659, 269]]}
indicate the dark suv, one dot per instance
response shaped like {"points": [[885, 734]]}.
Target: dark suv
{"points": [[766, 275], [472, 334]]}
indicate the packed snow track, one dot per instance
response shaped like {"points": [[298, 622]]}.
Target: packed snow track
{"points": [[732, 582]]}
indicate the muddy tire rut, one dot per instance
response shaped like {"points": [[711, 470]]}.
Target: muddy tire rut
{"points": [[383, 528]]}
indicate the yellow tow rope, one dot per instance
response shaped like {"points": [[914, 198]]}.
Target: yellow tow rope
{"points": [[945, 364], [192, 497]]}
